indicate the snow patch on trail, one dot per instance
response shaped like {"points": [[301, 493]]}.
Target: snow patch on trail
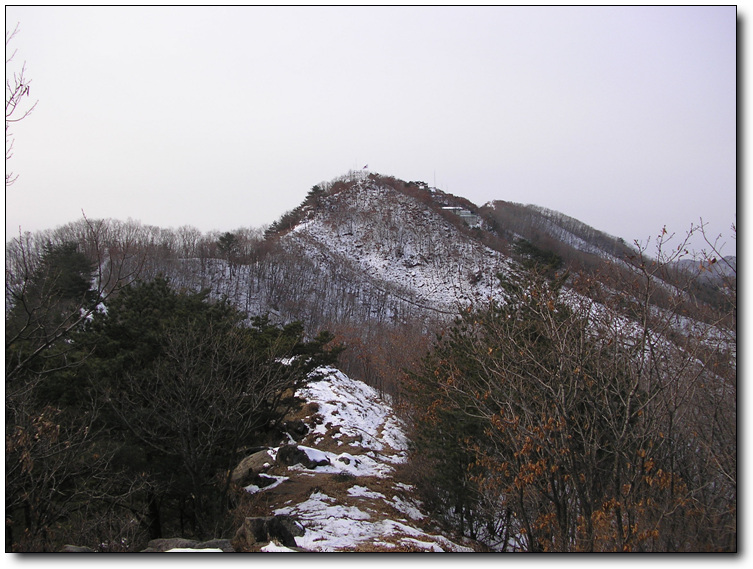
{"points": [[273, 547], [190, 550], [334, 527], [364, 492], [359, 411], [359, 517]]}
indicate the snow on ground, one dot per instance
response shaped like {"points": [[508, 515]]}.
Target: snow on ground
{"points": [[253, 488], [273, 547], [408, 508], [191, 550], [364, 492], [331, 527], [362, 517], [394, 238], [359, 411]]}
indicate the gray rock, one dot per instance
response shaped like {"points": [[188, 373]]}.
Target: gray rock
{"points": [[260, 531], [76, 549], [293, 525], [251, 466], [223, 544], [297, 429], [263, 480], [163, 544], [166, 544], [291, 454]]}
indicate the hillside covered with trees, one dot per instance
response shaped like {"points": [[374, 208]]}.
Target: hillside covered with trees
{"points": [[562, 390]]}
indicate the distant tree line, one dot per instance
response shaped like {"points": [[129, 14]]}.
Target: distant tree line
{"points": [[128, 403]]}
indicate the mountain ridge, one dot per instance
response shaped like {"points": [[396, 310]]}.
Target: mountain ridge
{"points": [[388, 267]]}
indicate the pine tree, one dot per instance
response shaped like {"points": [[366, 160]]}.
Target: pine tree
{"points": [[188, 384]]}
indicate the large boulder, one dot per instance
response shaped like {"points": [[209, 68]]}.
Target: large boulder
{"points": [[308, 457], [76, 549], [256, 532], [166, 544], [292, 525], [251, 466], [297, 429], [223, 544]]}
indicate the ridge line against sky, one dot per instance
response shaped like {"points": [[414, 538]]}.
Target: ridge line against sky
{"points": [[622, 117]]}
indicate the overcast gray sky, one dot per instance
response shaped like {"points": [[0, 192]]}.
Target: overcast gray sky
{"points": [[623, 117]]}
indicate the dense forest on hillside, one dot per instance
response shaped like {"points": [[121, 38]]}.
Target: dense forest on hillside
{"points": [[126, 412], [583, 400], [547, 425]]}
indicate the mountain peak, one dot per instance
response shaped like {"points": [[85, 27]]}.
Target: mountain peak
{"points": [[403, 237]]}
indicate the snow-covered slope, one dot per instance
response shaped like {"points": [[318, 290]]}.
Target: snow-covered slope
{"points": [[547, 228], [399, 246], [356, 501], [370, 252]]}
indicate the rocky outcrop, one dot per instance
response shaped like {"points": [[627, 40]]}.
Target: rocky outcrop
{"points": [[257, 532], [166, 544], [308, 458], [297, 429], [250, 467], [223, 544], [76, 549]]}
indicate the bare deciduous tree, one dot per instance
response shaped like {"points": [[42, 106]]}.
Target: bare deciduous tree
{"points": [[17, 88], [588, 419]]}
